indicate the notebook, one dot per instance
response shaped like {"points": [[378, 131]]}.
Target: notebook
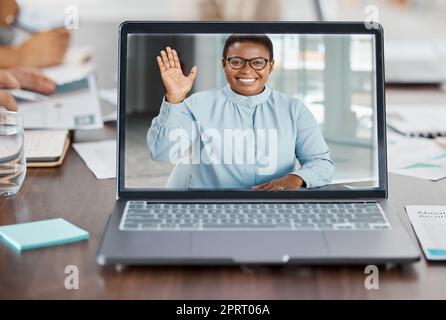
{"points": [[429, 224], [39, 234], [418, 120], [46, 148]]}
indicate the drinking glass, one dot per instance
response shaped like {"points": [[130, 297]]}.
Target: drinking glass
{"points": [[12, 153]]}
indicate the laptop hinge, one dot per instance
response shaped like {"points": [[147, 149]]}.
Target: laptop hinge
{"points": [[248, 200]]}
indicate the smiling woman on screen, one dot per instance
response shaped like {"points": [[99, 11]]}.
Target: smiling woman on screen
{"points": [[244, 135]]}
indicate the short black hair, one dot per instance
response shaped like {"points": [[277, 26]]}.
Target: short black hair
{"points": [[255, 38]]}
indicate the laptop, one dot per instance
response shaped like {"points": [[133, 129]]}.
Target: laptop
{"points": [[252, 143]]}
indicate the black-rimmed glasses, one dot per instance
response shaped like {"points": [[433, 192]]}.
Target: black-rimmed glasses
{"points": [[238, 63]]}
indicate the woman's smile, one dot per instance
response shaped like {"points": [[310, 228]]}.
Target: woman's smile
{"points": [[246, 80]]}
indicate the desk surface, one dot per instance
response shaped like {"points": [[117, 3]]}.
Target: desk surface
{"points": [[72, 192]]}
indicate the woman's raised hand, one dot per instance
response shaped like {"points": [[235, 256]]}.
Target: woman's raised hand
{"points": [[176, 83]]}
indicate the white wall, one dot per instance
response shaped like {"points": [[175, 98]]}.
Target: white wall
{"points": [[119, 10], [108, 10]]}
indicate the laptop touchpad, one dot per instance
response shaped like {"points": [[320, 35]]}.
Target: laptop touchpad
{"points": [[258, 246]]}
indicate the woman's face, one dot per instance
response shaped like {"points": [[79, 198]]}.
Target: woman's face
{"points": [[246, 80]]}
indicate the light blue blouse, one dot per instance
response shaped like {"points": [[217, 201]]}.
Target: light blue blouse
{"points": [[241, 141]]}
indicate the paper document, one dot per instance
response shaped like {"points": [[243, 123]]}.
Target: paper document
{"points": [[405, 158], [73, 106], [418, 120], [26, 95], [76, 66], [78, 55], [100, 157], [108, 117], [429, 224], [109, 96], [67, 73]]}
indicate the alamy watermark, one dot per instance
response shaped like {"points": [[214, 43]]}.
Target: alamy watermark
{"points": [[371, 281], [72, 280], [71, 17], [257, 147], [372, 17]]}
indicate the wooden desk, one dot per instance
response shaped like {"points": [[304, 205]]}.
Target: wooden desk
{"points": [[72, 192]]}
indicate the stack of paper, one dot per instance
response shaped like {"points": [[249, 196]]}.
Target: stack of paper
{"points": [[416, 157], [418, 120], [78, 55], [76, 106], [67, 73], [76, 66]]}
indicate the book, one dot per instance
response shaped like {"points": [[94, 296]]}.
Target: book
{"points": [[46, 148]]}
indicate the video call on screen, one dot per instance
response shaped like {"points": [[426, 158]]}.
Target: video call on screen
{"points": [[305, 106]]}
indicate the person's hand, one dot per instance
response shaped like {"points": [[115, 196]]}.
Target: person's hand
{"points": [[33, 79], [44, 49], [9, 10], [289, 182], [176, 83], [9, 82]]}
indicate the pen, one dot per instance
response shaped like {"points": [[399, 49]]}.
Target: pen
{"points": [[25, 95]]}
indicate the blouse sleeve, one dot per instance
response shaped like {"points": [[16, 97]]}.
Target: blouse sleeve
{"points": [[171, 132], [312, 151]]}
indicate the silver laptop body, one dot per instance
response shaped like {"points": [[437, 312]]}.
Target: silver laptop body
{"points": [[342, 223]]}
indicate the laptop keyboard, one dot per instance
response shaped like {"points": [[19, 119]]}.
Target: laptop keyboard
{"points": [[145, 216]]}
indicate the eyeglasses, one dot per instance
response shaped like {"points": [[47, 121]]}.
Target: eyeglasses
{"points": [[238, 63]]}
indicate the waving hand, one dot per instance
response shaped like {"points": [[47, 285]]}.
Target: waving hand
{"points": [[176, 83]]}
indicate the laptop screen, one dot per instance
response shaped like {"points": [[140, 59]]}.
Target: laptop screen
{"points": [[250, 112]]}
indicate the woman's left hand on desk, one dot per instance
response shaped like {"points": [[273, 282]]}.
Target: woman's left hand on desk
{"points": [[289, 182]]}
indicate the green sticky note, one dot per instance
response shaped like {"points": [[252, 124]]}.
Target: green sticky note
{"points": [[39, 234]]}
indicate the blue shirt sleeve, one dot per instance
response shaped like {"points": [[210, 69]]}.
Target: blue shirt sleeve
{"points": [[170, 133], [312, 151]]}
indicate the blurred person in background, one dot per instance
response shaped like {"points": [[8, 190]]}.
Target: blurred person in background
{"points": [[41, 49]]}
